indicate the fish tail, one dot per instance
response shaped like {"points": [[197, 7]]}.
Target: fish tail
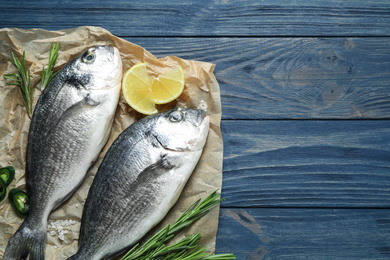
{"points": [[27, 240]]}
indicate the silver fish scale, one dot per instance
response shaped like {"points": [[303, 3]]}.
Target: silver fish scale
{"points": [[118, 194]]}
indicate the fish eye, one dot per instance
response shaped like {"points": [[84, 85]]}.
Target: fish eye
{"points": [[176, 116], [89, 57]]}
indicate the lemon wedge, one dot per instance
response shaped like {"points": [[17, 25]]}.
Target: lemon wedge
{"points": [[142, 92], [168, 86]]}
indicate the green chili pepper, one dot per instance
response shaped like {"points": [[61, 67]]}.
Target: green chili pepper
{"points": [[20, 201], [3, 189], [7, 174]]}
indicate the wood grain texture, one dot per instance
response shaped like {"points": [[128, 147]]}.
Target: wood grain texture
{"points": [[300, 78], [258, 234], [297, 186], [306, 163], [205, 18]]}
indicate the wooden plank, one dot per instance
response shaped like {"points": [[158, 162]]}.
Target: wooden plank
{"points": [[304, 233], [300, 78], [308, 163], [204, 17]]}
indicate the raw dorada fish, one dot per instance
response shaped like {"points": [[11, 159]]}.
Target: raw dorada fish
{"points": [[139, 180], [70, 125]]}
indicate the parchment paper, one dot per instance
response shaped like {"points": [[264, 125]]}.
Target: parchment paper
{"points": [[201, 91]]}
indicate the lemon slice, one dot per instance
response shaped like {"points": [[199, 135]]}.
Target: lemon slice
{"points": [[142, 92], [168, 86]]}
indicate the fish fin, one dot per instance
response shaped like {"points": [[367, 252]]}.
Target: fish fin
{"points": [[26, 241], [161, 166], [46, 119], [166, 162]]}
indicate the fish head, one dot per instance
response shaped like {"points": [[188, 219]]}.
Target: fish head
{"points": [[182, 129], [99, 67]]}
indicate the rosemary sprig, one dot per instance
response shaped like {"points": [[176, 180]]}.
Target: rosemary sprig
{"points": [[47, 74], [185, 249], [22, 79]]}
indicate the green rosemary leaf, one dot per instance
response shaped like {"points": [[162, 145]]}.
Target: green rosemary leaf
{"points": [[15, 84], [180, 247], [11, 75], [22, 79], [47, 74], [219, 257]]}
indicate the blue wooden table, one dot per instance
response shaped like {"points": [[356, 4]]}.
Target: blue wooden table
{"points": [[305, 89]]}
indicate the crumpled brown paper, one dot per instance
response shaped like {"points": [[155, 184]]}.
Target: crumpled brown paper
{"points": [[201, 91]]}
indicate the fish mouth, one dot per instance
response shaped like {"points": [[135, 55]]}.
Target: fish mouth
{"points": [[204, 129], [111, 54], [114, 53], [201, 117], [203, 114], [198, 142], [206, 121]]}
